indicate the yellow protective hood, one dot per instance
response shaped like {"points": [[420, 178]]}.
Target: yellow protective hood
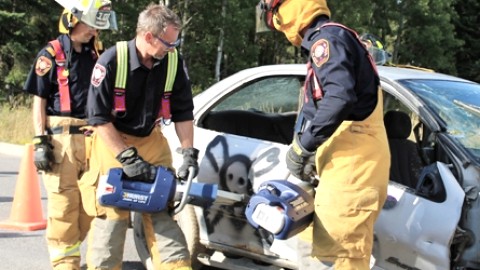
{"points": [[294, 15]]}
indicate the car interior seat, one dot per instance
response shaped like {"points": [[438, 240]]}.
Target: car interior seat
{"points": [[275, 127], [405, 162]]}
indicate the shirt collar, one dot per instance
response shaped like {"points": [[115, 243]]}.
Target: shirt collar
{"points": [[312, 29], [134, 60], [66, 43], [132, 52]]}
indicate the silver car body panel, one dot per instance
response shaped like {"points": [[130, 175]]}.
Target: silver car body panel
{"points": [[416, 233]]}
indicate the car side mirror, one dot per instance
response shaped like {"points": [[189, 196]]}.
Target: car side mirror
{"points": [[430, 184], [425, 145], [428, 152]]}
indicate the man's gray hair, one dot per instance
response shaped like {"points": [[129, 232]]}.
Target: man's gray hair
{"points": [[155, 18]]}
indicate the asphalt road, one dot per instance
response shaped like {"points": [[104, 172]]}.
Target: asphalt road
{"points": [[27, 250]]}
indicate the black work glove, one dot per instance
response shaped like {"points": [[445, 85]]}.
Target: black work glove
{"points": [[300, 162], [190, 159], [134, 167], [43, 153]]}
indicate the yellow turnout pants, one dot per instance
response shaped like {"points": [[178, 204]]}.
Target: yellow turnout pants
{"points": [[67, 223], [353, 166], [165, 240]]}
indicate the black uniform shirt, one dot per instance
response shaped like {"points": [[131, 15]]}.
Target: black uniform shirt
{"points": [[143, 93], [347, 77], [42, 79]]}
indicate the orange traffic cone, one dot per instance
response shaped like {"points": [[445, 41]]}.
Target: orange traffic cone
{"points": [[26, 213]]}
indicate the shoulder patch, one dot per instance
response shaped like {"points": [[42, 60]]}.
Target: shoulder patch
{"points": [[43, 65], [98, 75], [320, 52]]}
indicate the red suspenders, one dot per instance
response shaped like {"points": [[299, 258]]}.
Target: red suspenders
{"points": [[62, 77]]}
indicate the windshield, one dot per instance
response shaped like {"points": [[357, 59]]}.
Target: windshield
{"points": [[457, 104]]}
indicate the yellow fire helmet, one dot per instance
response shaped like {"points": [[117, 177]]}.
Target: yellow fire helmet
{"points": [[95, 13], [292, 16], [375, 48]]}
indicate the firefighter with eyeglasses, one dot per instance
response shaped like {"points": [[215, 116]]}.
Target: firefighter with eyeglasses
{"points": [[342, 130], [59, 81], [137, 86]]}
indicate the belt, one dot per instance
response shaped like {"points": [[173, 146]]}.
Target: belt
{"points": [[60, 130]]}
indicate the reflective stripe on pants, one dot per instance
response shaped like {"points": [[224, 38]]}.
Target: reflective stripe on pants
{"points": [[67, 222]]}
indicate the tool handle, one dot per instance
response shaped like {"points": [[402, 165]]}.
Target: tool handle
{"points": [[184, 199]]}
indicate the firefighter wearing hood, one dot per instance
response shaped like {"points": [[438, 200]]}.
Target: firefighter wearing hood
{"points": [[342, 128], [59, 81]]}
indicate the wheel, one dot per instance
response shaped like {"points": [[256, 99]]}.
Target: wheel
{"points": [[140, 242], [187, 220]]}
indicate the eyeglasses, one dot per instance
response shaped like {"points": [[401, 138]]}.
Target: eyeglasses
{"points": [[168, 44]]}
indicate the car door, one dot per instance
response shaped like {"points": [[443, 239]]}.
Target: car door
{"points": [[417, 223], [243, 138], [413, 232]]}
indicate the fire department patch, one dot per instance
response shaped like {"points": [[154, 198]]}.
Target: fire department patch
{"points": [[43, 65], [98, 75], [320, 52]]}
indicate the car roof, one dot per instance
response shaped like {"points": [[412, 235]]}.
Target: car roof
{"points": [[387, 74], [401, 73], [392, 73]]}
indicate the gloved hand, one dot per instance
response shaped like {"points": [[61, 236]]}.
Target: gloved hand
{"points": [[135, 167], [43, 153], [300, 162], [190, 159]]}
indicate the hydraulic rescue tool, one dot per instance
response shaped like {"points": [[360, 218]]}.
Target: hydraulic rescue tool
{"points": [[115, 189], [280, 207]]}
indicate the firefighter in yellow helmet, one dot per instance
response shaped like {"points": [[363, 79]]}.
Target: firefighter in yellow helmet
{"points": [[342, 128], [376, 48], [59, 81]]}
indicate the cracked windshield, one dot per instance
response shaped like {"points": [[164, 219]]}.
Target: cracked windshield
{"points": [[457, 104]]}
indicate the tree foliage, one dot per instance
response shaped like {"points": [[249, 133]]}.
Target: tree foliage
{"points": [[219, 38], [466, 29], [25, 27]]}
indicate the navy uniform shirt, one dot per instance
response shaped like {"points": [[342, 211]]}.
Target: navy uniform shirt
{"points": [[42, 79], [143, 93], [346, 76]]}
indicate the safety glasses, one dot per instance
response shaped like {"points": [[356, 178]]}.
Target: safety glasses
{"points": [[168, 44]]}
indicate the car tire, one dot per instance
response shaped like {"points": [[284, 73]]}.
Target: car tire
{"points": [[187, 220]]}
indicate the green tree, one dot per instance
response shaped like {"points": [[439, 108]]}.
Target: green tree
{"points": [[466, 28], [428, 36], [219, 37], [25, 27]]}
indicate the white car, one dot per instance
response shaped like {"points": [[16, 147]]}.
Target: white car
{"points": [[431, 220]]}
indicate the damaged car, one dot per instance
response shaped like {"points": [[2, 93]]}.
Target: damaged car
{"points": [[244, 125]]}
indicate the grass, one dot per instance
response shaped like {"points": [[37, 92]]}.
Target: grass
{"points": [[16, 125]]}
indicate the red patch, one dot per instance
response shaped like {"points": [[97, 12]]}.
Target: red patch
{"points": [[43, 65], [98, 75], [320, 52]]}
